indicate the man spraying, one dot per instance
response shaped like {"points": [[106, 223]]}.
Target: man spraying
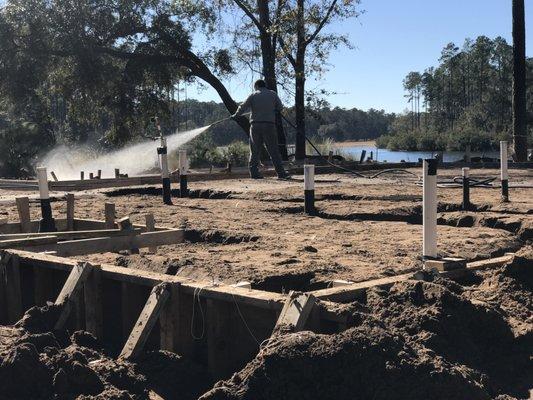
{"points": [[264, 104]]}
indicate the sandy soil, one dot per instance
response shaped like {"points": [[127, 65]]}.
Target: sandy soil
{"points": [[366, 228], [470, 339]]}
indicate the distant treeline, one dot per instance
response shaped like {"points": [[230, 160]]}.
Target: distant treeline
{"points": [[465, 99], [336, 123]]}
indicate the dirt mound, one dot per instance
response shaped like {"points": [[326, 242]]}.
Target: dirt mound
{"points": [[418, 340], [38, 364]]}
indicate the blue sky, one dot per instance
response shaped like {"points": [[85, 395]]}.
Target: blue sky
{"points": [[394, 37]]}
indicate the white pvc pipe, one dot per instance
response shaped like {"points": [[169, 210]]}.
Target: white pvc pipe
{"points": [[42, 177], [183, 164], [429, 213], [309, 177], [504, 174], [164, 159]]}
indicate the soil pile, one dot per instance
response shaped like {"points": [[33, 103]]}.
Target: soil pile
{"points": [[37, 364], [418, 340]]}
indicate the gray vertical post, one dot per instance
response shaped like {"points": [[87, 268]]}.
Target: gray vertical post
{"points": [[309, 189], [184, 191], [466, 188], [47, 223], [429, 212], [504, 174]]}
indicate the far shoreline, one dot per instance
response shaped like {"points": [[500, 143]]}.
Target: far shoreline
{"points": [[354, 143]]}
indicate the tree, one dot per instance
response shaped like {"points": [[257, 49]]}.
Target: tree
{"points": [[122, 56], [300, 31], [519, 81]]}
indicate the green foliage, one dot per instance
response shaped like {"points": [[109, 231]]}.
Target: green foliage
{"points": [[467, 99], [20, 142], [237, 153]]}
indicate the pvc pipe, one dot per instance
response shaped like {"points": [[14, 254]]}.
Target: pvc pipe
{"points": [[183, 166], [466, 188], [46, 224], [429, 213], [309, 189], [504, 173], [162, 151]]}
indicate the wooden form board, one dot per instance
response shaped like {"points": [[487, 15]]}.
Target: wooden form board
{"points": [[70, 235], [225, 307], [71, 289], [295, 311], [357, 290], [146, 321]]}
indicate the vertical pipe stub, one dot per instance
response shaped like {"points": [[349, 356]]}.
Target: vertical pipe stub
{"points": [[309, 189], [504, 174], [429, 213], [184, 191], [162, 152], [47, 223], [466, 188]]}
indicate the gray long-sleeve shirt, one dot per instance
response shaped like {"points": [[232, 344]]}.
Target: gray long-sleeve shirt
{"points": [[263, 103]]}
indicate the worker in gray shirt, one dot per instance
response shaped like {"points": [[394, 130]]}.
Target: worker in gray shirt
{"points": [[264, 104]]}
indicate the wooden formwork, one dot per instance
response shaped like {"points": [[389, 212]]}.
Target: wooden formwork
{"points": [[221, 325]]}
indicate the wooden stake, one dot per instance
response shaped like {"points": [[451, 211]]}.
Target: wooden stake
{"points": [[23, 207], [93, 292], [54, 176], [71, 289], [170, 319], [146, 321], [296, 311], [150, 227], [82, 175], [70, 211], [109, 215]]}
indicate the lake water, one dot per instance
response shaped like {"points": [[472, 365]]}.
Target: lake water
{"points": [[410, 156]]}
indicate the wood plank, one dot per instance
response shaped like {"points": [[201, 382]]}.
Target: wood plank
{"points": [[146, 321], [23, 208], [114, 244], [71, 235], [221, 334], [70, 211], [169, 319], [13, 288], [95, 245], [43, 282], [28, 242], [295, 311], [71, 289], [150, 227], [357, 290], [92, 291], [132, 300]]}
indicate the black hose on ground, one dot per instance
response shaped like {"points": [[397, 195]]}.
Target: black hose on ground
{"points": [[342, 168]]}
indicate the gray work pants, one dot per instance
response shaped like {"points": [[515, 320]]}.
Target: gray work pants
{"points": [[264, 133]]}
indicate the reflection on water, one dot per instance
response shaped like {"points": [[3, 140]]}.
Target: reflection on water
{"points": [[410, 156]]}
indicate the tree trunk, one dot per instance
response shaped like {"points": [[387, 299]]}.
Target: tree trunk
{"points": [[299, 101], [519, 81], [269, 67], [299, 69]]}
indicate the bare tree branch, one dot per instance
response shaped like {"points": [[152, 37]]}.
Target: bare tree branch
{"points": [[250, 15], [322, 23]]}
